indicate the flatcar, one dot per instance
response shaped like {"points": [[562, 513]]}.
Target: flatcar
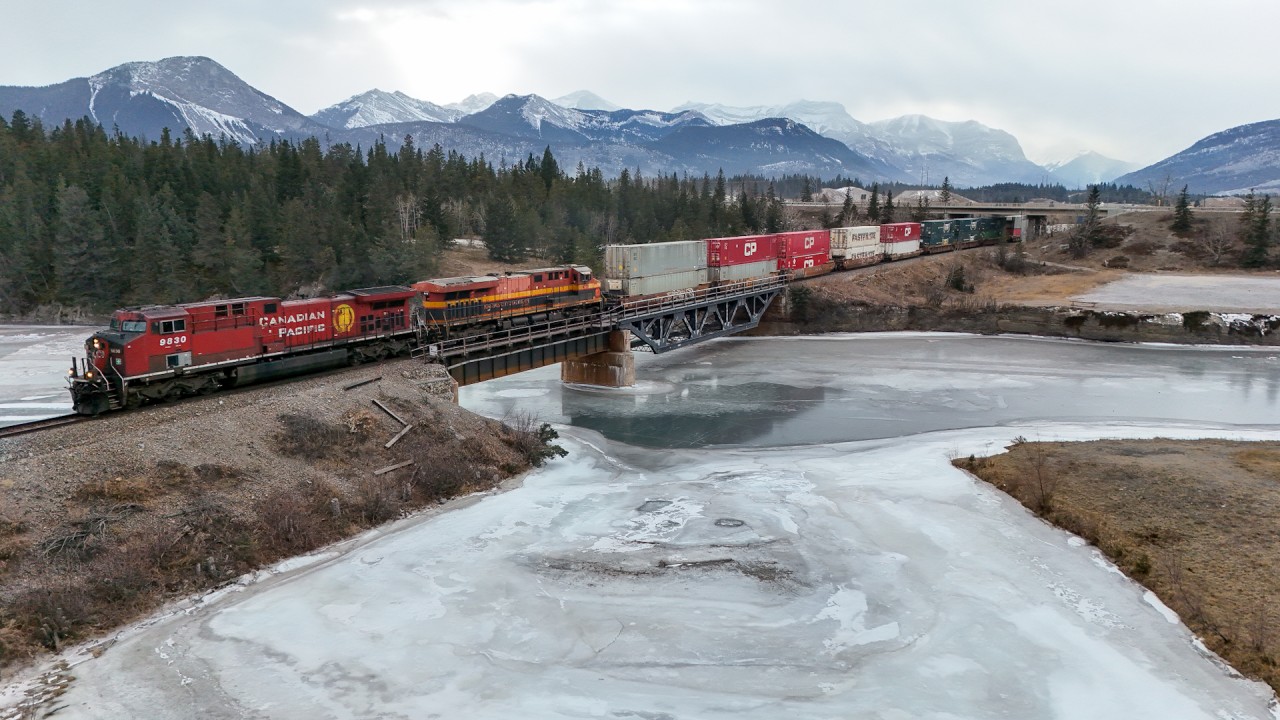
{"points": [[163, 352]]}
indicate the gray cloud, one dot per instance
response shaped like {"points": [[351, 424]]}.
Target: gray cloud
{"points": [[1137, 80]]}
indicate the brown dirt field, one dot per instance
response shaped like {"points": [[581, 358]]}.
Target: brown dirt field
{"points": [[1197, 522]]}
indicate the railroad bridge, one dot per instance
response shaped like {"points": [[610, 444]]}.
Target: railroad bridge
{"points": [[597, 349]]}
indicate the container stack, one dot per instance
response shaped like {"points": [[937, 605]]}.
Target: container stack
{"points": [[853, 247], [900, 239], [734, 259], [804, 253], [655, 268]]}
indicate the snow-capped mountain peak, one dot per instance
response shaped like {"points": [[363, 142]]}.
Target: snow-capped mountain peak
{"points": [[585, 100], [474, 103], [376, 107]]}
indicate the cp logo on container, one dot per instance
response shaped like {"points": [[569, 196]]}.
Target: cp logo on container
{"points": [[749, 249]]}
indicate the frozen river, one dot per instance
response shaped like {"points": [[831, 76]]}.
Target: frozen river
{"points": [[764, 529], [33, 368]]}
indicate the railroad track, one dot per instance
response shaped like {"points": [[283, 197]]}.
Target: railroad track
{"points": [[37, 425]]}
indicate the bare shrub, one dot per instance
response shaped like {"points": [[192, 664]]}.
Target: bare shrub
{"points": [[533, 440], [378, 499], [442, 471], [1042, 481], [288, 523], [308, 438], [52, 615]]}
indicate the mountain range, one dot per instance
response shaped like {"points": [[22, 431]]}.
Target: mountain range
{"points": [[806, 137]]}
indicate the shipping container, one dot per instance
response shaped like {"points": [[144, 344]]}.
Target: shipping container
{"points": [[896, 232], [748, 271], [900, 249], [813, 270], [656, 284], [740, 250], [935, 233], [853, 247], [637, 261], [803, 243], [803, 261]]}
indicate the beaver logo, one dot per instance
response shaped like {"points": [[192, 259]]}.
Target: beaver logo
{"points": [[343, 318]]}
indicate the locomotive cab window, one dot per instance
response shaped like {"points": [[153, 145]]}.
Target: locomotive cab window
{"points": [[220, 311], [168, 327], [269, 308]]}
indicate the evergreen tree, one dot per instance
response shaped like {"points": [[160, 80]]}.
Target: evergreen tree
{"points": [[1086, 235], [806, 193], [500, 232], [1182, 213], [848, 211], [944, 196], [1257, 232], [873, 204], [886, 212]]}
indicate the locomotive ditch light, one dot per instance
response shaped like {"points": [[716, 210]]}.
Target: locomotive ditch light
{"points": [[97, 343]]}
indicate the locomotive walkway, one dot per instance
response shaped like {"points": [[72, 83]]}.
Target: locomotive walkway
{"points": [[660, 324]]}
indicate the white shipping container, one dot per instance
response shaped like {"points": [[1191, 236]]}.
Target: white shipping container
{"points": [[734, 273], [657, 284], [652, 259], [898, 249], [849, 241]]}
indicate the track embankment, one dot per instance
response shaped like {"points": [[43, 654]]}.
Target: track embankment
{"points": [[102, 522]]}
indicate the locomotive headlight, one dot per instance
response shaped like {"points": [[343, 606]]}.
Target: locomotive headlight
{"points": [[88, 375], [97, 343]]}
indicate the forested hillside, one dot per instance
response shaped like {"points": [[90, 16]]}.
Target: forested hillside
{"points": [[91, 220]]}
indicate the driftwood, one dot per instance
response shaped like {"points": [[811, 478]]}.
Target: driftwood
{"points": [[355, 385], [388, 411], [399, 435], [389, 468]]}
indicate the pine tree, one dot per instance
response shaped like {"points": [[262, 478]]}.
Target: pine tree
{"points": [[806, 194], [848, 211], [944, 196], [886, 212], [1182, 213], [873, 205], [1257, 232], [1086, 235]]}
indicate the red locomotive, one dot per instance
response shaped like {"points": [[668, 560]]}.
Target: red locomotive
{"points": [[163, 352]]}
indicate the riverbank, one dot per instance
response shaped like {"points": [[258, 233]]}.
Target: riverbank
{"points": [[1193, 521], [990, 292], [104, 521]]}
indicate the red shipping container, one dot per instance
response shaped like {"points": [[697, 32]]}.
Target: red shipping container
{"points": [[899, 232], [803, 242], [801, 262], [724, 252]]}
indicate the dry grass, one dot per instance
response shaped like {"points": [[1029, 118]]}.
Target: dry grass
{"points": [[1193, 521]]}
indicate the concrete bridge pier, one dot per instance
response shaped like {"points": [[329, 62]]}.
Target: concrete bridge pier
{"points": [[615, 367]]}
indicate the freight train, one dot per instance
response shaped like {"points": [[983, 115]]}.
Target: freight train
{"points": [[648, 270], [158, 353]]}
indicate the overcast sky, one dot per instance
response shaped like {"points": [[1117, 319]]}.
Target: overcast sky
{"points": [[1136, 80]]}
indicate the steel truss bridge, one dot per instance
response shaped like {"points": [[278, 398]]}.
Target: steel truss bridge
{"points": [[660, 324]]}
